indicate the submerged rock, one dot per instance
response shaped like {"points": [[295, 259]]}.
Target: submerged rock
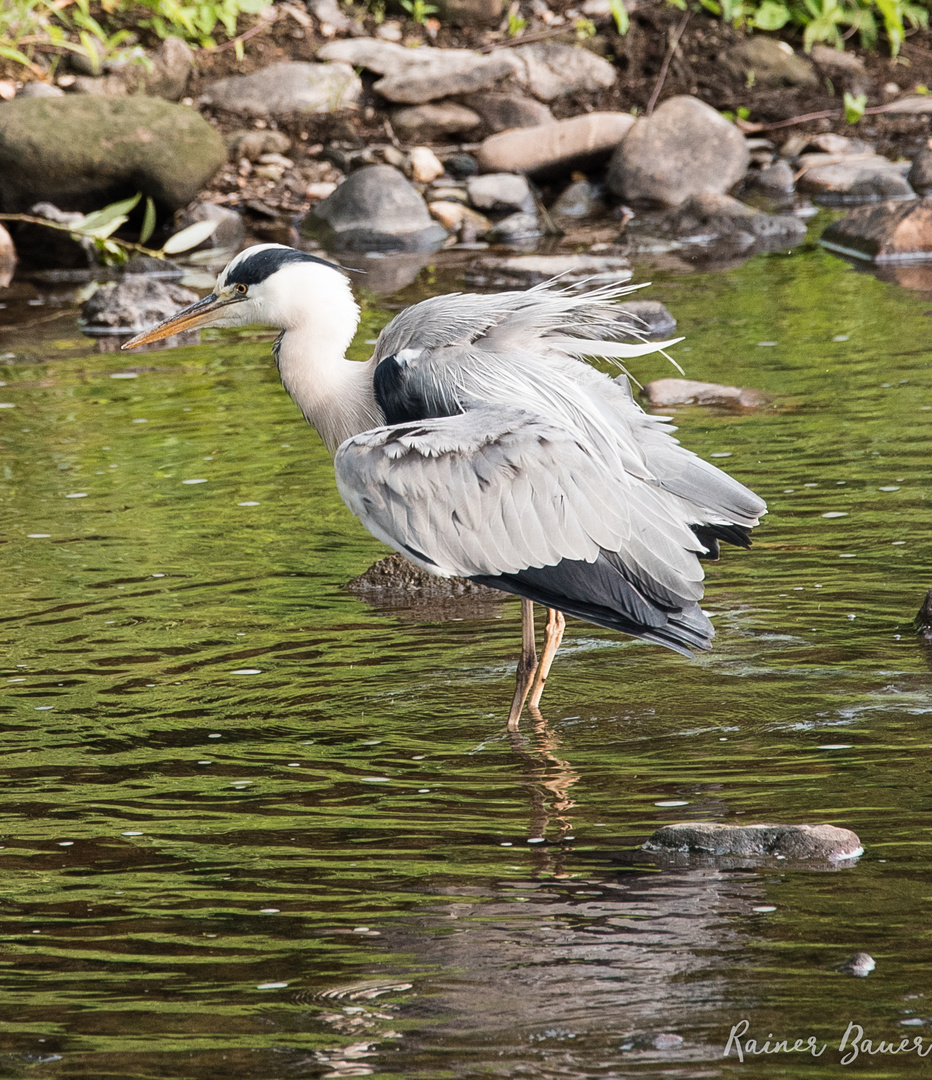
{"points": [[758, 841], [920, 173], [866, 179], [135, 303], [649, 318], [395, 585], [923, 620], [526, 270], [668, 393], [718, 216], [685, 147], [376, 209], [861, 964], [889, 232]]}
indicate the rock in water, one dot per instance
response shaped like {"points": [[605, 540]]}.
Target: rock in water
{"points": [[713, 215], [668, 393], [685, 147], [889, 232], [287, 89], [827, 842], [81, 153], [923, 621], [920, 174], [375, 209], [136, 302]]}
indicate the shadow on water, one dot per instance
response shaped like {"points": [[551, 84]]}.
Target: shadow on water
{"points": [[253, 826]]}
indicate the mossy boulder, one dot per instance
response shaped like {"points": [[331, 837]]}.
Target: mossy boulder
{"points": [[82, 153]]}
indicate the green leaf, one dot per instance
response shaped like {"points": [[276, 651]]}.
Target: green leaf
{"points": [[620, 15], [190, 237], [771, 15], [854, 107], [101, 218], [148, 221]]}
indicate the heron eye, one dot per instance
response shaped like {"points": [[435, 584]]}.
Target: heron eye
{"points": [[241, 288]]}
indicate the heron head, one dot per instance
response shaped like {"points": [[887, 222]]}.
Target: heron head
{"points": [[267, 283]]}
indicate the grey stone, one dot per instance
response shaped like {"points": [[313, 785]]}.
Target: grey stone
{"points": [[171, 67], [528, 270], [415, 76], [578, 201], [648, 318], [7, 257], [503, 112], [446, 73], [393, 584], [683, 148], [500, 193], [39, 89], [434, 118], [713, 215], [837, 61], [376, 209], [890, 232], [138, 143], [461, 166], [668, 393], [286, 89], [136, 302], [551, 69], [862, 180], [824, 842], [920, 174], [230, 231], [109, 86], [551, 149], [860, 965], [516, 229], [775, 180], [252, 144], [770, 62], [470, 12], [329, 16]]}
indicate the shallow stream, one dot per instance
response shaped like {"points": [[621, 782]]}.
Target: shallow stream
{"points": [[252, 827]]}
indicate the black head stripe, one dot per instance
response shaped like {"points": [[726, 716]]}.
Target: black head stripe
{"points": [[252, 269]]}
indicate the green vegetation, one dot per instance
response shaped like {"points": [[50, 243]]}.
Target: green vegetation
{"points": [[831, 21], [35, 30], [98, 228]]}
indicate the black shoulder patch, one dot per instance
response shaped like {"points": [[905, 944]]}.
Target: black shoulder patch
{"points": [[255, 268], [397, 394]]}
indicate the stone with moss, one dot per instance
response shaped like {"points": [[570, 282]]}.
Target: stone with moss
{"points": [[82, 153]]}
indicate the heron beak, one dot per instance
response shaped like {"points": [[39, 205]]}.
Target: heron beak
{"points": [[203, 313]]}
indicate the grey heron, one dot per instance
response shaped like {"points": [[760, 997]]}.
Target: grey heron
{"points": [[478, 443]]}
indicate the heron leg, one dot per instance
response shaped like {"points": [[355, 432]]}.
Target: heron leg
{"points": [[527, 664], [553, 635]]}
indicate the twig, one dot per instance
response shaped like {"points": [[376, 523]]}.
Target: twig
{"points": [[75, 231], [661, 78], [825, 114], [538, 35], [239, 39]]}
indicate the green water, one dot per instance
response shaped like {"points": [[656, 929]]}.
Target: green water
{"points": [[252, 827]]}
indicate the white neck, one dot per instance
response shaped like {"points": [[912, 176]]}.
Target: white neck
{"points": [[335, 394]]}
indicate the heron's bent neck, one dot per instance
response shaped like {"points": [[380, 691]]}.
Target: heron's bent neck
{"points": [[335, 394]]}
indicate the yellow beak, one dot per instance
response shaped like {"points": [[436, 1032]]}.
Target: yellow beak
{"points": [[203, 313]]}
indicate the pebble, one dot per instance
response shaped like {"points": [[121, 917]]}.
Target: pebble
{"points": [[434, 118], [425, 165], [500, 193]]}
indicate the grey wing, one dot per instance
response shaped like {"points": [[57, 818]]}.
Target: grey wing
{"points": [[512, 499]]}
